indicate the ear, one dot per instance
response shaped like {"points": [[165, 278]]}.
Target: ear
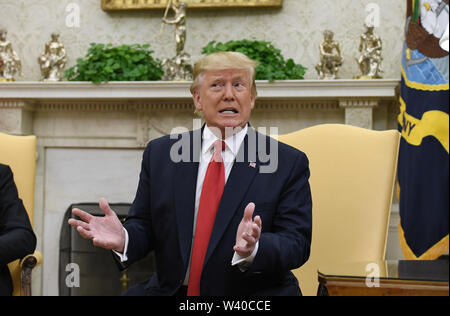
{"points": [[252, 101], [196, 97]]}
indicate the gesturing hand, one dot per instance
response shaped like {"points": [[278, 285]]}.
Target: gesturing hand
{"points": [[248, 232], [106, 232]]}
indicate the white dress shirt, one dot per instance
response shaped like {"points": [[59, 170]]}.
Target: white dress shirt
{"points": [[233, 143]]}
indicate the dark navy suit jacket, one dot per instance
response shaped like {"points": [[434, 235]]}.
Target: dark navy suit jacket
{"points": [[161, 217], [16, 235]]}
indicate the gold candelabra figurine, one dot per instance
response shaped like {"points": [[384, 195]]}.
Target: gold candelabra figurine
{"points": [[330, 57], [53, 60], [10, 64], [178, 68], [370, 60]]}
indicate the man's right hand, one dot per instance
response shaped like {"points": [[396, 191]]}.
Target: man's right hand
{"points": [[106, 232]]}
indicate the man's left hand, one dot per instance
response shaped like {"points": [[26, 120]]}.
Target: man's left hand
{"points": [[248, 232]]}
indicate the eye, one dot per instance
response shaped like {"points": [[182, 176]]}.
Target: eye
{"points": [[216, 85], [239, 85]]}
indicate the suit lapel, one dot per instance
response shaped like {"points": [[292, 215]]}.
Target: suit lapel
{"points": [[184, 184], [244, 170]]}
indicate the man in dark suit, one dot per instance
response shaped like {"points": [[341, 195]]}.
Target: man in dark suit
{"points": [[226, 209], [17, 238]]}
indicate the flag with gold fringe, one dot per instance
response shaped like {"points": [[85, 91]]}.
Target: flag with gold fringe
{"points": [[423, 170]]}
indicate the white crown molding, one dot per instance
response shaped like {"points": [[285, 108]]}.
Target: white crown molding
{"points": [[289, 95], [288, 89]]}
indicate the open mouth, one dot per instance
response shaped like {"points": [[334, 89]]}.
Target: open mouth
{"points": [[229, 111]]}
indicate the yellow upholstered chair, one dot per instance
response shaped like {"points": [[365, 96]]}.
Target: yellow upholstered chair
{"points": [[19, 152], [352, 183]]}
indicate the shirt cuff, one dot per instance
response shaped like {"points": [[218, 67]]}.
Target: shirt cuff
{"points": [[244, 262], [123, 256]]}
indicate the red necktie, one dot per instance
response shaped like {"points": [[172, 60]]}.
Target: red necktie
{"points": [[212, 190]]}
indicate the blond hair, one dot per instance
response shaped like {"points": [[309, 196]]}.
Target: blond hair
{"points": [[222, 61]]}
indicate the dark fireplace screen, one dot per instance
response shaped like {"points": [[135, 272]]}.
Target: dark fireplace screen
{"points": [[86, 270]]}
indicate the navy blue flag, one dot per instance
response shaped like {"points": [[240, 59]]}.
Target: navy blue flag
{"points": [[423, 169]]}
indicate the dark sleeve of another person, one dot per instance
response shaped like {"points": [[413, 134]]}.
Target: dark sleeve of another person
{"points": [[17, 238]]}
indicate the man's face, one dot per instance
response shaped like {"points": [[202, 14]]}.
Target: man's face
{"points": [[225, 98]]}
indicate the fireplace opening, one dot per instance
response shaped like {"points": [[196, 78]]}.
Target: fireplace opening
{"points": [[86, 270]]}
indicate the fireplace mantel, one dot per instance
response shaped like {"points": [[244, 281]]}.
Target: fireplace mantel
{"points": [[288, 89], [156, 107]]}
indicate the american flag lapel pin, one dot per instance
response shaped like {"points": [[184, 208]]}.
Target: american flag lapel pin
{"points": [[253, 164]]}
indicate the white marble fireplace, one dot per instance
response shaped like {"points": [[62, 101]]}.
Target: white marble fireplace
{"points": [[91, 137]]}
